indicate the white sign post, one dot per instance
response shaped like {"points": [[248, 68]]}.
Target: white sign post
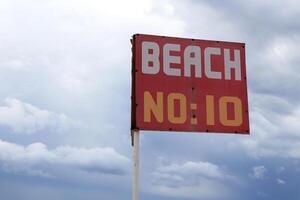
{"points": [[136, 164]]}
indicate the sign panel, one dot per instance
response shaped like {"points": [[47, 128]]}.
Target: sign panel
{"points": [[181, 84]]}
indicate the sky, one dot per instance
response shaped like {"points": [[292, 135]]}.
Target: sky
{"points": [[65, 84]]}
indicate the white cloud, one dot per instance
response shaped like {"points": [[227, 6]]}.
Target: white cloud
{"points": [[191, 180], [195, 168], [258, 172], [37, 160], [23, 117], [280, 181], [16, 65]]}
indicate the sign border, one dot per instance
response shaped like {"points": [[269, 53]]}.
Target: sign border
{"points": [[134, 102]]}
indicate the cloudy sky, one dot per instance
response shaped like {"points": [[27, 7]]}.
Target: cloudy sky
{"points": [[65, 76]]}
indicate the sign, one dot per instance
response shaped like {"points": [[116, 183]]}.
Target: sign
{"points": [[189, 85]]}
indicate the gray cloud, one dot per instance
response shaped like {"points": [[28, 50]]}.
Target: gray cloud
{"points": [[275, 134], [73, 59]]}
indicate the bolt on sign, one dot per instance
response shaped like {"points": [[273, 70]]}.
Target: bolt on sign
{"points": [[192, 85]]}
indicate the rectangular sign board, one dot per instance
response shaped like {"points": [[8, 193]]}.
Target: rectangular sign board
{"points": [[189, 85]]}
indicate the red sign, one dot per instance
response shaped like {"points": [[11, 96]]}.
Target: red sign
{"points": [[188, 85]]}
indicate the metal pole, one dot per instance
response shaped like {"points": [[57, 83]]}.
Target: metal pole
{"points": [[136, 164]]}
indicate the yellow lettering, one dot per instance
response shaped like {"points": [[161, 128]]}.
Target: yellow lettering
{"points": [[182, 106], [210, 110], [150, 106], [238, 118]]}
